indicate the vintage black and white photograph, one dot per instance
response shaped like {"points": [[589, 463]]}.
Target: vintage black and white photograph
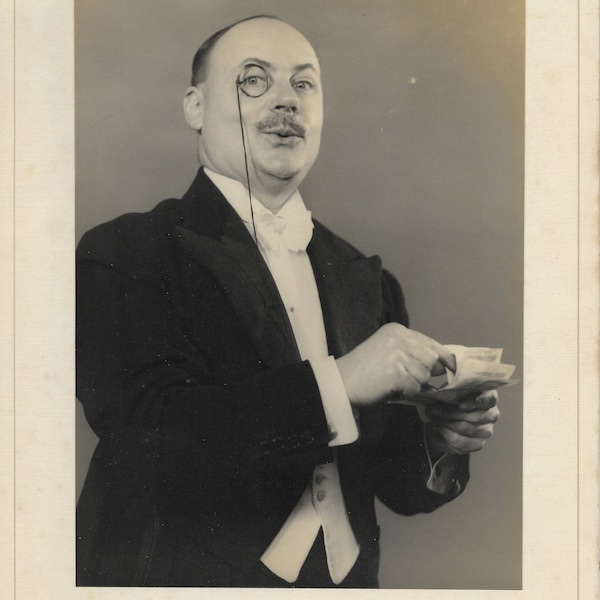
{"points": [[300, 293], [333, 266], [299, 296]]}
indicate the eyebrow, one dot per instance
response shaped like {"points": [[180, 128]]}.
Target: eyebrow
{"points": [[258, 61], [263, 63], [305, 66]]}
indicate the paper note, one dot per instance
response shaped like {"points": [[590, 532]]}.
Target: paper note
{"points": [[477, 370]]}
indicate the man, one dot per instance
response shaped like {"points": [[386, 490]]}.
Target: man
{"points": [[235, 359]]}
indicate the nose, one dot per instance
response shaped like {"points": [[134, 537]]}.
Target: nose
{"points": [[285, 98]]}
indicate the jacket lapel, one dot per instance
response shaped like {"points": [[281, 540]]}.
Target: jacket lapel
{"points": [[350, 291], [349, 286], [215, 237]]}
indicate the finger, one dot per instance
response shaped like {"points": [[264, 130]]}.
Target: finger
{"points": [[426, 356], [449, 412], [418, 367], [445, 357], [415, 345], [469, 430], [482, 402], [438, 369], [459, 444], [408, 384]]}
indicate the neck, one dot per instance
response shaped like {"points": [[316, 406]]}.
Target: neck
{"points": [[271, 199], [272, 192], [274, 196]]}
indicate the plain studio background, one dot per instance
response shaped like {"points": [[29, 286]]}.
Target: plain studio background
{"points": [[421, 162]]}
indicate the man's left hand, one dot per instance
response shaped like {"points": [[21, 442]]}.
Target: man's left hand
{"points": [[464, 427]]}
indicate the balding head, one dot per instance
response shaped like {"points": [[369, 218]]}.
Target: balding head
{"points": [[200, 62], [282, 124]]}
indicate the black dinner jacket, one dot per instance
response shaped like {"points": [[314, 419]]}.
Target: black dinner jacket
{"points": [[209, 423]]}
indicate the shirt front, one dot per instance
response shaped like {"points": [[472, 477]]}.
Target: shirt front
{"points": [[322, 504]]}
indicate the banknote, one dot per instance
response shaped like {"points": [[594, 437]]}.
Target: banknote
{"points": [[477, 370]]}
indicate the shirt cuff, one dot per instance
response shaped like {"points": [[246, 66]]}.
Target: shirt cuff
{"points": [[443, 477], [337, 407]]}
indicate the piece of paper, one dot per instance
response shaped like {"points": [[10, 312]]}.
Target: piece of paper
{"points": [[478, 370]]}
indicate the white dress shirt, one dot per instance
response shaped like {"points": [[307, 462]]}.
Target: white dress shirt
{"points": [[322, 504]]}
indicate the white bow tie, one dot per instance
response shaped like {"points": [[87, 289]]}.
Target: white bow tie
{"points": [[293, 230]]}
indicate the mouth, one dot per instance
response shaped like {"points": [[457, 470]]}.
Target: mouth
{"points": [[282, 127], [283, 137], [283, 133]]}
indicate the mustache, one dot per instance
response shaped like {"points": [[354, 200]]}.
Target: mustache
{"points": [[281, 122]]}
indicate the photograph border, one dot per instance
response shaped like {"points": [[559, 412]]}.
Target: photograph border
{"points": [[561, 312]]}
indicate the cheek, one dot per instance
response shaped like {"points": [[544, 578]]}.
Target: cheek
{"points": [[222, 113], [316, 128], [222, 126], [315, 107], [224, 149], [313, 139]]}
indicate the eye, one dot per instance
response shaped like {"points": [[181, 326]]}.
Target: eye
{"points": [[303, 85], [254, 81]]}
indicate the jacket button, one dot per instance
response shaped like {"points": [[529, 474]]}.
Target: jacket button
{"points": [[320, 495], [319, 478]]}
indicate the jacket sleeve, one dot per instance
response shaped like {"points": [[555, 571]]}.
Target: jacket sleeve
{"points": [[148, 393], [399, 460]]}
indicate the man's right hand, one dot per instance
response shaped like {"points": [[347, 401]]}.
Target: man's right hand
{"points": [[393, 360]]}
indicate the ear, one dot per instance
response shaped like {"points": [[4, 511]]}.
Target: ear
{"points": [[193, 107]]}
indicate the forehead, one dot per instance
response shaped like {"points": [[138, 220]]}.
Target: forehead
{"points": [[267, 39]]}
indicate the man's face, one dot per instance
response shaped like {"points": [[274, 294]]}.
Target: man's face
{"points": [[282, 126]]}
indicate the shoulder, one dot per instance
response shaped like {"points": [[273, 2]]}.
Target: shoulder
{"points": [[392, 294], [333, 242], [132, 236], [138, 228]]}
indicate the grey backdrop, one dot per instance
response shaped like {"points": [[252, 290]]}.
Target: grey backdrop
{"points": [[421, 163]]}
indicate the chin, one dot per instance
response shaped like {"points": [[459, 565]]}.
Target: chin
{"points": [[285, 172]]}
